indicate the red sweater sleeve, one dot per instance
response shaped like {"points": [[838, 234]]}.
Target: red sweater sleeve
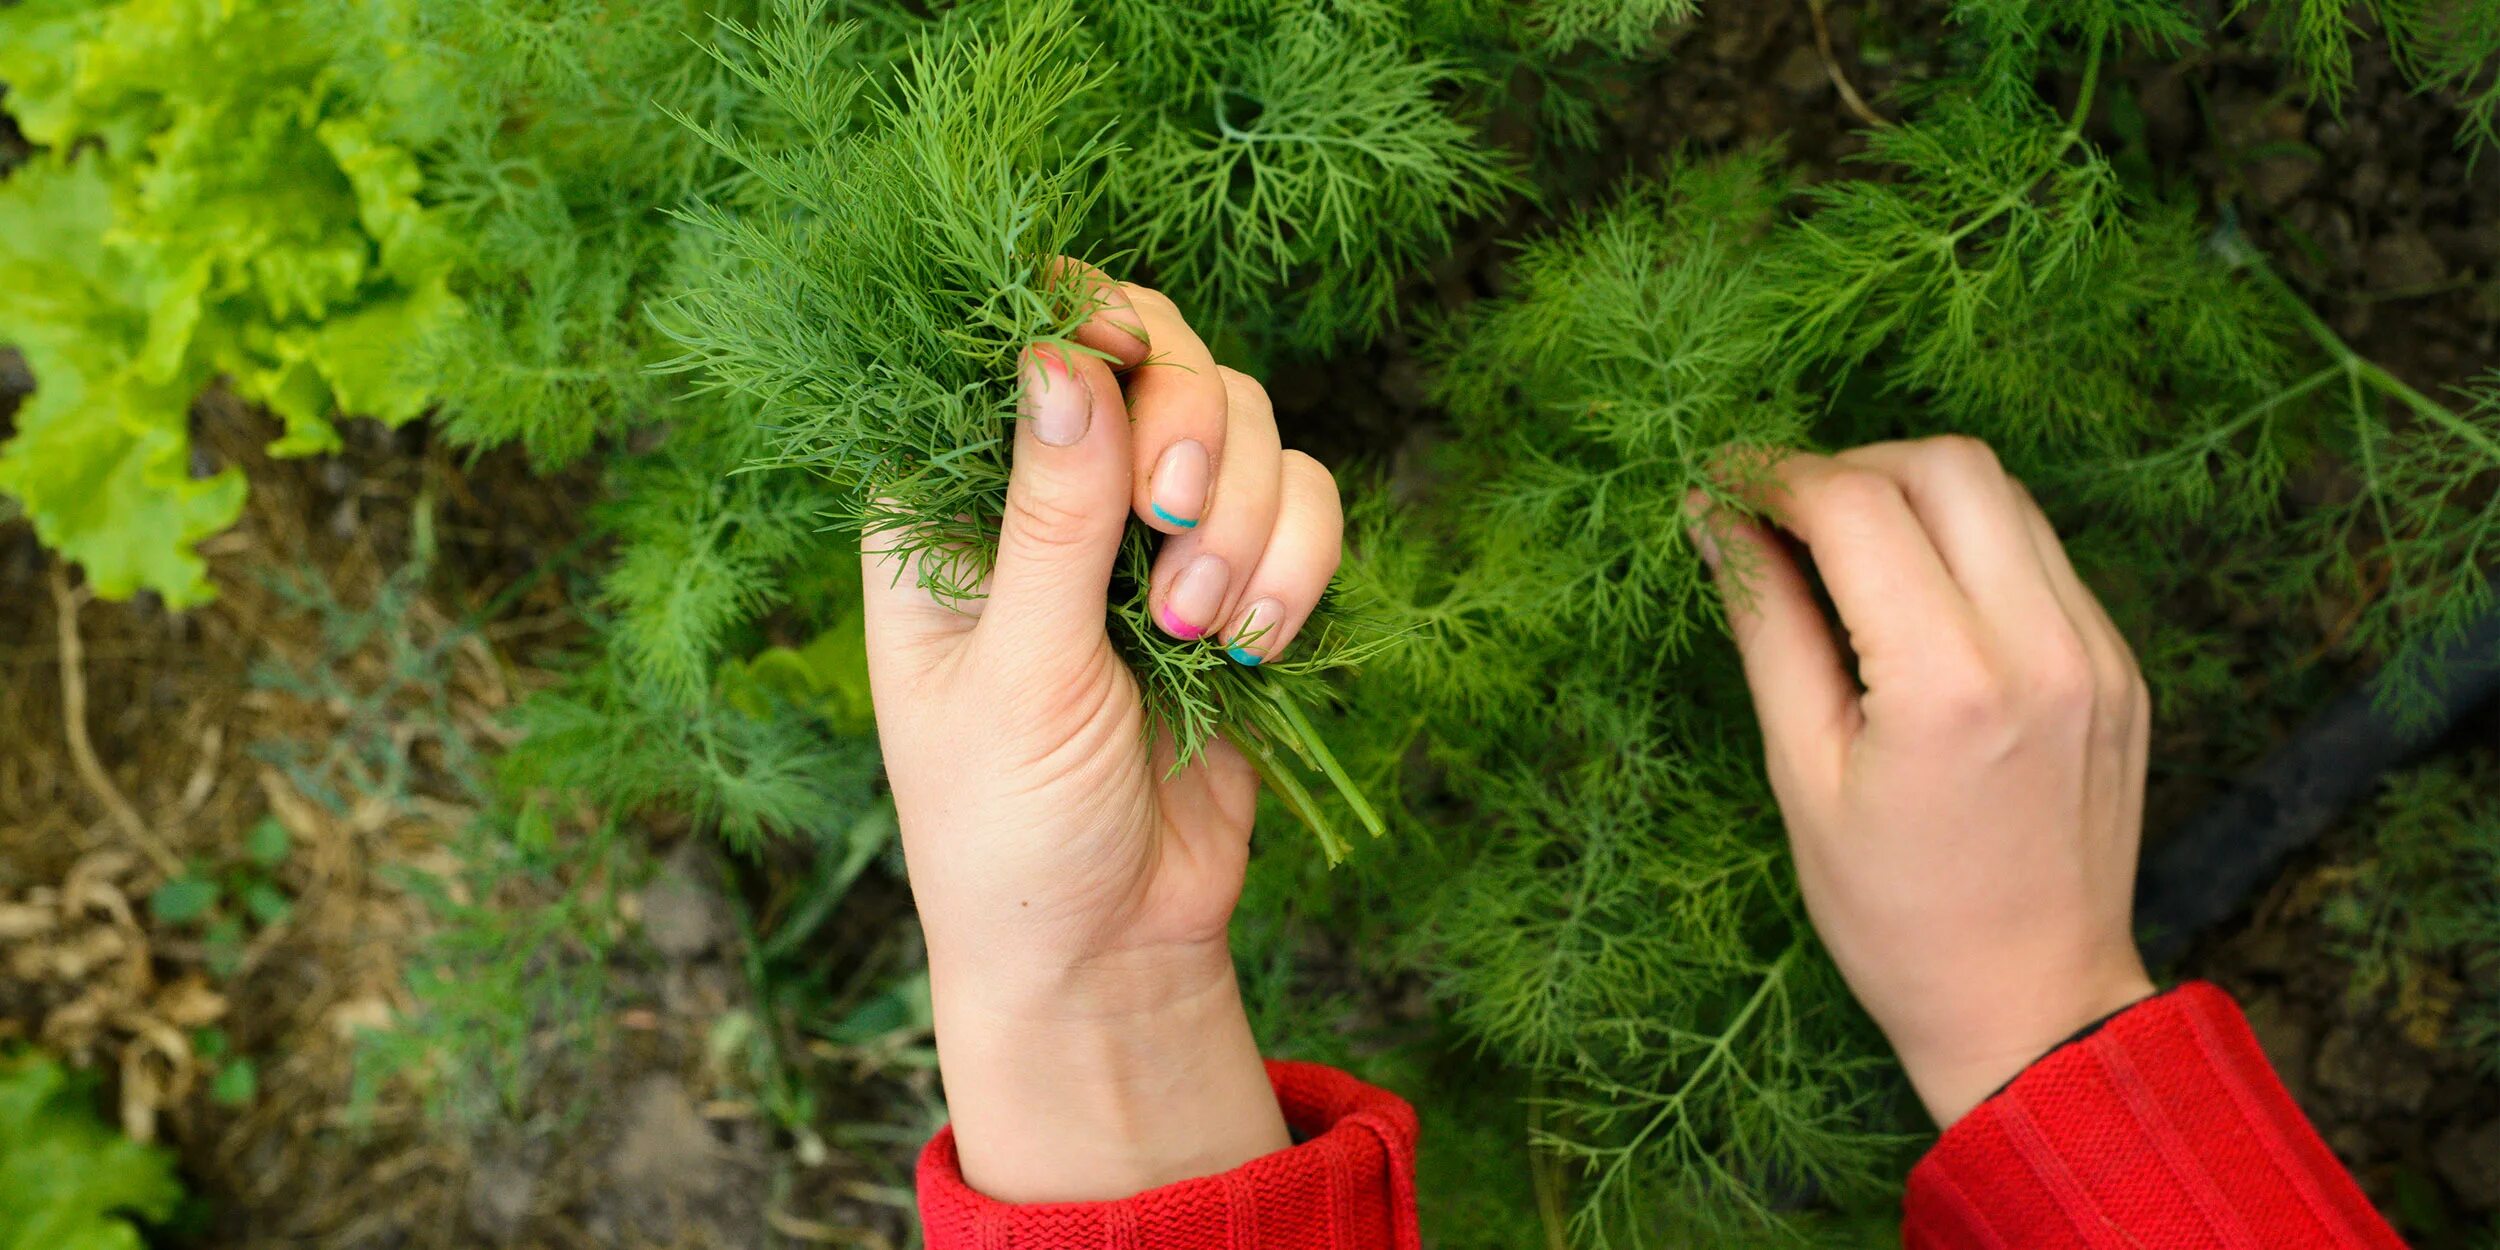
{"points": [[2163, 1130], [1349, 1185]]}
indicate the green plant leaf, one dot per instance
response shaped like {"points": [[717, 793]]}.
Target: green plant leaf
{"points": [[183, 900], [267, 903], [237, 1084], [224, 940], [71, 1182], [267, 843]]}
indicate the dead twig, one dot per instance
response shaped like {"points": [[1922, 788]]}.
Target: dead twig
{"points": [[1849, 96], [81, 750]]}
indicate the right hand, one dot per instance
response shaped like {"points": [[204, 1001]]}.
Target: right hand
{"points": [[1965, 810]]}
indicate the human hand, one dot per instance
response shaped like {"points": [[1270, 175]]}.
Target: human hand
{"points": [[1075, 892], [1965, 810]]}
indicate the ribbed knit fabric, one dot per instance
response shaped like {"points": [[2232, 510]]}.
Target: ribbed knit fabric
{"points": [[1350, 1185], [2164, 1130]]}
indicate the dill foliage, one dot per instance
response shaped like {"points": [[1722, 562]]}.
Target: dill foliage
{"points": [[1608, 908], [1287, 165], [2418, 918], [2447, 47], [871, 280], [550, 134], [1282, 166]]}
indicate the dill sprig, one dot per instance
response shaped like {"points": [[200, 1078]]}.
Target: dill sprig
{"points": [[866, 287]]}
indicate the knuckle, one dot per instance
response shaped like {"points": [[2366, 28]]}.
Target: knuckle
{"points": [[1852, 493], [1971, 705], [1963, 452], [1142, 297], [1308, 474], [1043, 522], [1242, 388], [2062, 678], [1965, 691]]}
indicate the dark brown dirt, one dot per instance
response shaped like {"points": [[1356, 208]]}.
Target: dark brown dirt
{"points": [[2413, 1110]]}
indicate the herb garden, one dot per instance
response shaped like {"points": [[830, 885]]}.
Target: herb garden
{"points": [[442, 806]]}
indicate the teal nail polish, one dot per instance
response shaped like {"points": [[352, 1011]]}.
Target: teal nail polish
{"points": [[1169, 519], [1244, 657]]}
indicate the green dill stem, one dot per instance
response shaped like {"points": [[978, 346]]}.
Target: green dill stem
{"points": [[1311, 746], [2083, 96], [1720, 1047], [2367, 372], [2213, 439], [1544, 1175], [1290, 790], [2067, 139]]}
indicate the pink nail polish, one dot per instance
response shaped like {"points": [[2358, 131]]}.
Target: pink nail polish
{"points": [[1193, 597], [1177, 627]]}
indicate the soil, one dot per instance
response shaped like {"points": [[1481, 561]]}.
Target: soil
{"points": [[2374, 214], [650, 1143], [2414, 1112]]}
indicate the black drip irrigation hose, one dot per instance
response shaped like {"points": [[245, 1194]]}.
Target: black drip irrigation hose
{"points": [[2201, 874]]}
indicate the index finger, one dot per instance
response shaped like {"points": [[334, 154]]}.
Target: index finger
{"points": [[1115, 328], [1177, 398], [1903, 611]]}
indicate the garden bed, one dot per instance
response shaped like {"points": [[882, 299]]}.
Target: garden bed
{"points": [[381, 610]]}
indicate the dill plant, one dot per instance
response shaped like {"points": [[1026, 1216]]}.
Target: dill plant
{"points": [[2450, 47], [834, 241], [1607, 909], [1282, 166], [869, 284], [550, 137], [2417, 919], [1285, 166]]}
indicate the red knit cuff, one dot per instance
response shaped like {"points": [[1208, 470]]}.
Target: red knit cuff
{"points": [[1350, 1185], [2165, 1128]]}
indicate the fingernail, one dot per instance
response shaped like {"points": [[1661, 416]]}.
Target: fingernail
{"points": [[1179, 491], [1055, 400], [1697, 506], [1254, 637], [1194, 597]]}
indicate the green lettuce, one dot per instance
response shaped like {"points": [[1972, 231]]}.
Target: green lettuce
{"points": [[72, 1183], [213, 204]]}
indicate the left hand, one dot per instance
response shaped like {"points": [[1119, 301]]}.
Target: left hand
{"points": [[1076, 891]]}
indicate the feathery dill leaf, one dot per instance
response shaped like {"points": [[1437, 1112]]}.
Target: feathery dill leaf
{"points": [[2444, 47], [1611, 911], [551, 136], [869, 284], [1286, 165]]}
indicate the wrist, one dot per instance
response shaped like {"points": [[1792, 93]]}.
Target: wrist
{"points": [[1102, 1078], [1953, 1075]]}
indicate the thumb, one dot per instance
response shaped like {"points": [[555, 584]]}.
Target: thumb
{"points": [[1067, 503]]}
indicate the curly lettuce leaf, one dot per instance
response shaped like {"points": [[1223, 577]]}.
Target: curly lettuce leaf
{"points": [[225, 210], [72, 1183], [101, 462]]}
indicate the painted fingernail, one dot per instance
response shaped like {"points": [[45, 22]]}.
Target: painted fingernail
{"points": [[1195, 595], [1055, 400], [1253, 638], [1179, 492]]}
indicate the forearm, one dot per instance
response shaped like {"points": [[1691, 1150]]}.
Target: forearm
{"points": [[1099, 1082]]}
